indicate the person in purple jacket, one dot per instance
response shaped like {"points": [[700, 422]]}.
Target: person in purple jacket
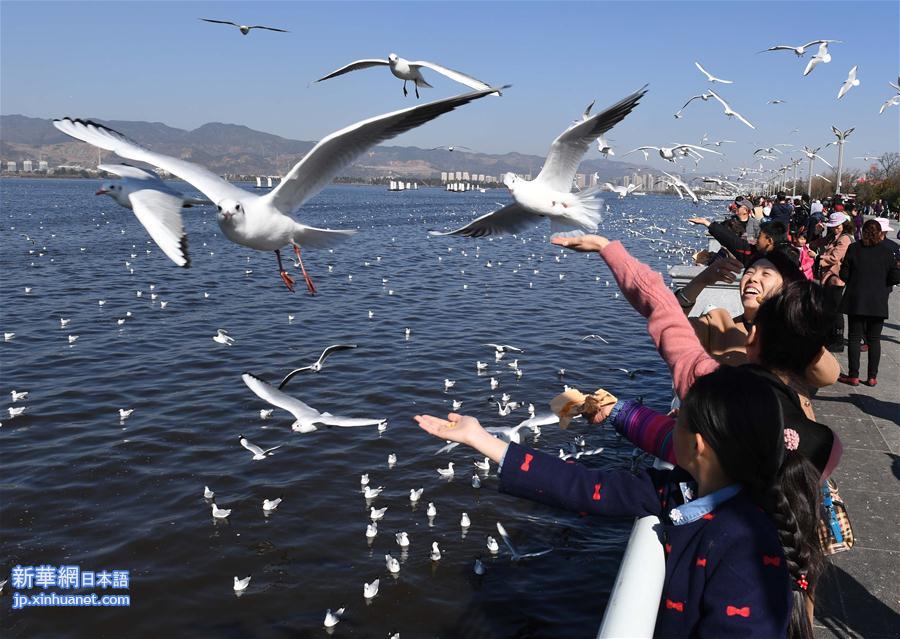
{"points": [[738, 511]]}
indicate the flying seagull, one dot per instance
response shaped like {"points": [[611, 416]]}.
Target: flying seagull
{"points": [[549, 194], [849, 83], [505, 348], [516, 555], [671, 153], [710, 76], [731, 113], [156, 206], [258, 453], [894, 101], [245, 29], [799, 51], [678, 182], [822, 56], [411, 72], [316, 366], [703, 96], [305, 417], [263, 222], [621, 191]]}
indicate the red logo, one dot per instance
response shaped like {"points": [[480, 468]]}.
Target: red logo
{"points": [[731, 611], [674, 605], [701, 561], [596, 496], [526, 466], [769, 560]]}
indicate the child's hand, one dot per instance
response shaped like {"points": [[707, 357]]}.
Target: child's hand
{"points": [[457, 428]]}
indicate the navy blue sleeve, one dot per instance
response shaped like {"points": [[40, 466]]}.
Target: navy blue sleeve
{"points": [[738, 246], [549, 480]]}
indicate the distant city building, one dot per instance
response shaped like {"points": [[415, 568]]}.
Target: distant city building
{"points": [[595, 180], [465, 175], [443, 177], [580, 180], [459, 175], [43, 165], [26, 166], [11, 167], [481, 177]]}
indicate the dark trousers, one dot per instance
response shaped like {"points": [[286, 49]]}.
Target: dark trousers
{"points": [[870, 328], [833, 296]]}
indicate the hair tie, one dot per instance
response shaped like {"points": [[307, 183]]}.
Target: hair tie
{"points": [[802, 583], [791, 439]]}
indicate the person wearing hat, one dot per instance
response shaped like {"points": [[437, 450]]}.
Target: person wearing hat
{"points": [[836, 242], [869, 270]]}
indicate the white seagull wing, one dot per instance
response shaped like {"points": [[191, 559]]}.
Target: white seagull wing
{"points": [[512, 218], [569, 148], [160, 213], [333, 349], [347, 422], [134, 173], [275, 397], [456, 76], [207, 182], [338, 150], [355, 66], [253, 448], [709, 76], [312, 237]]}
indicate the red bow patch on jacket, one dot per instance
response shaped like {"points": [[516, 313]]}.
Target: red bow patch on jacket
{"points": [[708, 516], [674, 605], [596, 496], [769, 560], [731, 611], [701, 561], [526, 465]]}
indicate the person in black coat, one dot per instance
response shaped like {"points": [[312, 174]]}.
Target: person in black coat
{"points": [[869, 270]]}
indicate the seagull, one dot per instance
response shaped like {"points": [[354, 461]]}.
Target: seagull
{"points": [[621, 191], [435, 552], [549, 194], [222, 337], [604, 147], [464, 521], [448, 384], [240, 585], [316, 366], [457, 404], [371, 530], [731, 113], [271, 504], [476, 481], [377, 513], [402, 539], [72, 338], [266, 413], [207, 493], [483, 465], [364, 480], [822, 55], [19, 395], [16, 411], [156, 205], [516, 555], [633, 372], [494, 383], [710, 76], [263, 222], [431, 511], [478, 567], [492, 545], [64, 322], [446, 472], [678, 182], [415, 494], [505, 348], [372, 493], [894, 101], [370, 590], [703, 96], [220, 513], [849, 83], [799, 51], [776, 101], [125, 414], [392, 460], [243, 28], [594, 336], [450, 148], [258, 453], [305, 417], [411, 72], [333, 618], [393, 565], [671, 153]]}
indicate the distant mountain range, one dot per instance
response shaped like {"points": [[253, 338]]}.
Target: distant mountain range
{"points": [[238, 150]]}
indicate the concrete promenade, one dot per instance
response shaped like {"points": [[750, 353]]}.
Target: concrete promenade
{"points": [[860, 594]]}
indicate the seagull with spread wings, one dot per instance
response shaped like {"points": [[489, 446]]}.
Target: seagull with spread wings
{"points": [[243, 28], [263, 222], [703, 96], [672, 153], [731, 113], [156, 205], [549, 194], [317, 365], [798, 51], [849, 83], [822, 57], [410, 71], [710, 76]]}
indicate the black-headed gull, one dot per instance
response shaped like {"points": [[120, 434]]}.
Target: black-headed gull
{"points": [[621, 191], [677, 182], [220, 513], [672, 153], [849, 83], [262, 222], [549, 194], [258, 453], [370, 590], [271, 504], [504, 348], [409, 71], [798, 51], [435, 554], [222, 337], [894, 101], [710, 76], [731, 113], [513, 551], [822, 57], [317, 365], [703, 96], [333, 618], [240, 585], [306, 418], [156, 205], [243, 28]]}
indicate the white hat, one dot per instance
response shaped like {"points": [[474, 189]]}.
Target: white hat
{"points": [[836, 219], [885, 224]]}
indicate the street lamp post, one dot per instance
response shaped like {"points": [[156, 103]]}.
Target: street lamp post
{"points": [[841, 136]]}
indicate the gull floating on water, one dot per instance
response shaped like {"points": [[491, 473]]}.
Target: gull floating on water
{"points": [[243, 28], [305, 417], [710, 76], [16, 411], [258, 453], [364, 479], [632, 372], [125, 414], [415, 494], [464, 521], [241, 584], [207, 493], [222, 337], [372, 493], [18, 395], [317, 365], [333, 618], [446, 472], [370, 590], [849, 83], [435, 552], [220, 513], [492, 545], [431, 511], [371, 530], [393, 565], [483, 465], [263, 222], [377, 513], [402, 539], [409, 71], [271, 504], [549, 194]]}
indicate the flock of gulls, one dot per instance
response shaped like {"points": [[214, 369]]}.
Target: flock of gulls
{"points": [[266, 223]]}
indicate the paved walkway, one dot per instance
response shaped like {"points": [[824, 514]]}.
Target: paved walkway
{"points": [[860, 595]]}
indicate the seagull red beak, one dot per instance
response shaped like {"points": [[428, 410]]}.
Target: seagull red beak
{"points": [[101, 192]]}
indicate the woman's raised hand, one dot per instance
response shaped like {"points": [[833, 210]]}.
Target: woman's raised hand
{"points": [[465, 430], [582, 243]]}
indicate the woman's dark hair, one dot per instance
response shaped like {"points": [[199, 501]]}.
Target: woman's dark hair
{"points": [[739, 417], [792, 327], [871, 233], [785, 259], [848, 227]]}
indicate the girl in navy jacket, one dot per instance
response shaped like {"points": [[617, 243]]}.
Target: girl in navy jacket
{"points": [[738, 512]]}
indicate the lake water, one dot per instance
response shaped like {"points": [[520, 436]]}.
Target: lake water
{"points": [[81, 488]]}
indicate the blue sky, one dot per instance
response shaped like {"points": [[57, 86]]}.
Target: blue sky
{"points": [[157, 61]]}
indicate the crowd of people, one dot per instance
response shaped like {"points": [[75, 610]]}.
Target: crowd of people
{"points": [[746, 507]]}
